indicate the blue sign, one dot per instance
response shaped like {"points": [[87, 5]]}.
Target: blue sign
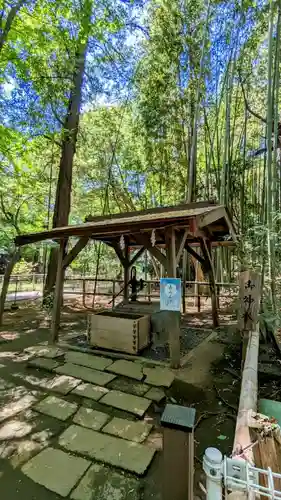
{"points": [[170, 294]]}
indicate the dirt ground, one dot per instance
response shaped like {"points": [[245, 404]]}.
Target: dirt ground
{"points": [[210, 382]]}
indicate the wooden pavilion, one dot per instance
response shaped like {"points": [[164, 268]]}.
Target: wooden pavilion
{"points": [[165, 232]]}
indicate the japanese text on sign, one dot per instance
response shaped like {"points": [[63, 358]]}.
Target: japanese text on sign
{"points": [[170, 294]]}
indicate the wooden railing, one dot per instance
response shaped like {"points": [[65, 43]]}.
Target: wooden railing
{"points": [[85, 286]]}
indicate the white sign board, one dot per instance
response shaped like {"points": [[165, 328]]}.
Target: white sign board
{"points": [[170, 294]]}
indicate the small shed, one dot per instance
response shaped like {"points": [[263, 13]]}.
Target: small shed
{"points": [[164, 231]]}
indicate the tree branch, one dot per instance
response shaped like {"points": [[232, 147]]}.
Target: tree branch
{"points": [[254, 113]]}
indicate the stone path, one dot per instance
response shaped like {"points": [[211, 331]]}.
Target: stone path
{"points": [[103, 436]]}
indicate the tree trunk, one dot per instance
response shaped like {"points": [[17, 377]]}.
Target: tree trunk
{"points": [[64, 184], [6, 281], [4, 32]]}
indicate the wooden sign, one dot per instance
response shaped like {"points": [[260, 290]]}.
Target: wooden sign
{"points": [[249, 300]]}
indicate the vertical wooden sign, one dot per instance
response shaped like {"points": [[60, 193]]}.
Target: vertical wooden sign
{"points": [[249, 300]]}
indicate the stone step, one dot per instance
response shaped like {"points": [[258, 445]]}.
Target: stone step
{"points": [[127, 369], [127, 402], [56, 407], [128, 429], [110, 450], [103, 483], [89, 375], [89, 360], [90, 391]]}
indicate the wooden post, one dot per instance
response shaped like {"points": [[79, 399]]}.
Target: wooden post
{"points": [[113, 293], [184, 264], [206, 250], [249, 304], [178, 452], [8, 271], [58, 295], [173, 317], [126, 274]]}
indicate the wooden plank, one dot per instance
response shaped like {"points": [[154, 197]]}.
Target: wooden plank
{"points": [[182, 246], [69, 258], [249, 300], [55, 322]]}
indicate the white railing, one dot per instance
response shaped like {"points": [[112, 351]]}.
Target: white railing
{"points": [[227, 475]]}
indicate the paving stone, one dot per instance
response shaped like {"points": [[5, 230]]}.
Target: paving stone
{"points": [[127, 368], [127, 429], [126, 385], [56, 407], [89, 360], [156, 394], [90, 418], [161, 377], [12, 408], [126, 402], [84, 373], [43, 363], [45, 351], [63, 384], [102, 483], [56, 470], [111, 450], [90, 391]]}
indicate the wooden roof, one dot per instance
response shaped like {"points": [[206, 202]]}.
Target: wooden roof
{"points": [[194, 216]]}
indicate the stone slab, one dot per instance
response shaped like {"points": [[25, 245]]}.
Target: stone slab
{"points": [[111, 450], [89, 360], [90, 391], [92, 419], [56, 407], [43, 363], [102, 483], [127, 402], [160, 377], [45, 351], [128, 429], [13, 407], [130, 386], [156, 394], [56, 470], [89, 375], [127, 368], [63, 384]]}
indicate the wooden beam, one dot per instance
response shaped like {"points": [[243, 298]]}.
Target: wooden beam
{"points": [[58, 295], [211, 216], [138, 254], [144, 240], [120, 254], [182, 246], [195, 254], [69, 258]]}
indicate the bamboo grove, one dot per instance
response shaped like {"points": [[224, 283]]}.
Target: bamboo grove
{"points": [[122, 105]]}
